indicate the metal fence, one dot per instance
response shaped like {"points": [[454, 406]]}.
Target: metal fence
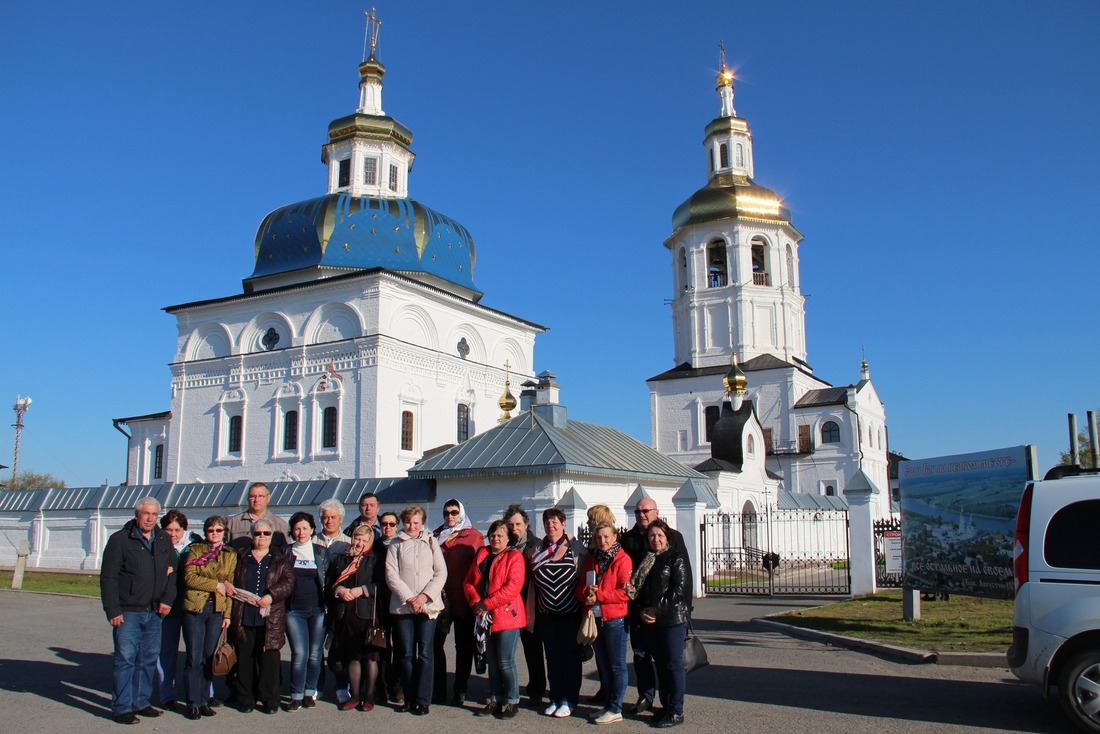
{"points": [[776, 552]]}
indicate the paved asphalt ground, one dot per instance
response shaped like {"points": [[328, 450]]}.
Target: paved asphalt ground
{"points": [[55, 676]]}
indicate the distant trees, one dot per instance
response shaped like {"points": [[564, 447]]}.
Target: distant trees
{"points": [[33, 480], [1083, 450]]}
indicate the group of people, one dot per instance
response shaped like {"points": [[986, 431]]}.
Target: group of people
{"points": [[382, 602]]}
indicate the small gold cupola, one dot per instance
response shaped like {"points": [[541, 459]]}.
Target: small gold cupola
{"points": [[735, 380], [507, 400]]}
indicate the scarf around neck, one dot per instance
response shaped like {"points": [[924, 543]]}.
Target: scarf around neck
{"points": [[604, 558], [443, 532], [206, 557]]}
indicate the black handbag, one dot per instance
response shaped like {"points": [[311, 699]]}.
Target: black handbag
{"points": [[695, 655]]}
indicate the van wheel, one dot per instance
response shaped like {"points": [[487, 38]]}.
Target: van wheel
{"points": [[1079, 689]]}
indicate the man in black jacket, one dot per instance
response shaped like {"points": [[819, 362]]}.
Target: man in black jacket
{"points": [[635, 543], [137, 590]]}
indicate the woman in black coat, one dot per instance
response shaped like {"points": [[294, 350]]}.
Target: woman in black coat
{"points": [[358, 597], [659, 586]]}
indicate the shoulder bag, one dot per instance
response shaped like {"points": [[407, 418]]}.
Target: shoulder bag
{"points": [[224, 657], [695, 655]]}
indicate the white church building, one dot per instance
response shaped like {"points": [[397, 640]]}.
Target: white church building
{"points": [[737, 299], [358, 343]]}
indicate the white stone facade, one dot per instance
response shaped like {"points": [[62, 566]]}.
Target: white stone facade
{"points": [[373, 347]]}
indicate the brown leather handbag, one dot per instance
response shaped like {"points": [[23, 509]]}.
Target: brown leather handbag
{"points": [[224, 657]]}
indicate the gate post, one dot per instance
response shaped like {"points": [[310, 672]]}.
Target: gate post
{"points": [[691, 502], [861, 495]]}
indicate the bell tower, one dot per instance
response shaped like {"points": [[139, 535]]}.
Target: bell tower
{"points": [[734, 256]]}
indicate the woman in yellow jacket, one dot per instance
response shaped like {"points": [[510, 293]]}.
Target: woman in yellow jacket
{"points": [[206, 610]]}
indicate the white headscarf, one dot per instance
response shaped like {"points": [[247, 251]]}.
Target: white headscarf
{"points": [[463, 522]]}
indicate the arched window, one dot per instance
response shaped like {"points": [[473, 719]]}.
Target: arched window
{"points": [[740, 156], [290, 431], [717, 273], [406, 430], [759, 263], [328, 428], [750, 446], [158, 461], [710, 159], [830, 432], [710, 417], [463, 422], [723, 156], [790, 266], [236, 426], [830, 490], [684, 267]]}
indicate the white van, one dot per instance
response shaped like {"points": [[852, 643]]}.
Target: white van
{"points": [[1056, 625]]}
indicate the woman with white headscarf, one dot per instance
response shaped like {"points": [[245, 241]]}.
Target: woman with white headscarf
{"points": [[460, 541]]}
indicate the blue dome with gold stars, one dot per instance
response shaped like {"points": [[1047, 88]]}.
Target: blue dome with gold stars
{"points": [[344, 232]]}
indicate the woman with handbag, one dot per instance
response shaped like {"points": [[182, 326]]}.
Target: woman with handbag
{"points": [[209, 566], [602, 588], [494, 586], [258, 623], [659, 585], [415, 573], [355, 584], [305, 616]]}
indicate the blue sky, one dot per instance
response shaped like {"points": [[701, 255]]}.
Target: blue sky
{"points": [[940, 158]]}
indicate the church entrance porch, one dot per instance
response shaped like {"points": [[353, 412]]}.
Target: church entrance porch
{"points": [[776, 552]]}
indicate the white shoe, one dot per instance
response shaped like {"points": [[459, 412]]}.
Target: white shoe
{"points": [[608, 718], [550, 709], [563, 712]]}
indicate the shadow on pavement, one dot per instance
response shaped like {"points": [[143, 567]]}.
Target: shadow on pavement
{"points": [[78, 679]]}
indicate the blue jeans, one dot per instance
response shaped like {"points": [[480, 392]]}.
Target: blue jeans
{"points": [[200, 636], [416, 641], [137, 644], [170, 627], [306, 630], [610, 648], [563, 655], [670, 665], [500, 659]]}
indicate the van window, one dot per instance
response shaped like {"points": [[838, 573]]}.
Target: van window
{"points": [[1071, 537]]}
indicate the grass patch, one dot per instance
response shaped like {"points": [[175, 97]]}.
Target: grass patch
{"points": [[962, 624], [65, 583]]}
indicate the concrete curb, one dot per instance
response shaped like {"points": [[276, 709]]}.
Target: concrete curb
{"points": [[52, 593], [971, 659]]}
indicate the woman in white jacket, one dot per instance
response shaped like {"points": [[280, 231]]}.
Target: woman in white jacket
{"points": [[415, 573]]}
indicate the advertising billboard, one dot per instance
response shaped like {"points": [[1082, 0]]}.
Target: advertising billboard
{"points": [[958, 515]]}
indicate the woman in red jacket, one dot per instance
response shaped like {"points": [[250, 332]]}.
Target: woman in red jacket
{"points": [[494, 589], [602, 589]]}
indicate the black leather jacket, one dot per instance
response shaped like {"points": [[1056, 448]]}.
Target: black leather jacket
{"points": [[665, 589]]}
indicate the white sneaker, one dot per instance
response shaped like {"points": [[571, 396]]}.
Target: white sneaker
{"points": [[550, 709], [598, 714], [563, 712], [608, 718]]}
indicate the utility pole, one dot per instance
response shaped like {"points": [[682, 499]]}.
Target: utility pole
{"points": [[22, 405]]}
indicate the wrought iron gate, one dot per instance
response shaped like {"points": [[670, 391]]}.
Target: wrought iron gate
{"points": [[776, 552]]}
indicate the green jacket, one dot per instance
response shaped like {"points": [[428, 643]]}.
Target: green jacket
{"points": [[201, 582]]}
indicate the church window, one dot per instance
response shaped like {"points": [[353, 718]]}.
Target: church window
{"points": [[236, 426], [343, 173], [463, 422], [684, 269], [393, 177], [790, 266], [750, 446], [328, 428], [759, 264], [717, 273], [406, 430], [710, 159], [769, 447], [158, 461], [830, 432], [740, 156], [870, 437], [723, 156], [370, 171], [290, 431], [710, 418], [830, 490]]}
